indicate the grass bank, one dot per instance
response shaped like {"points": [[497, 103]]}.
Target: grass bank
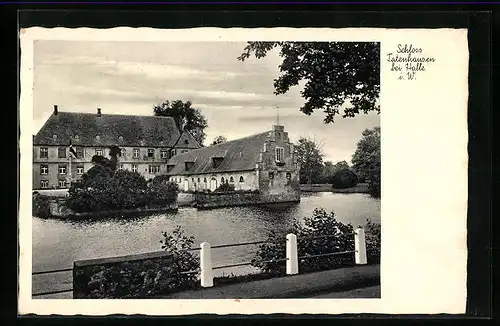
{"points": [[361, 188]]}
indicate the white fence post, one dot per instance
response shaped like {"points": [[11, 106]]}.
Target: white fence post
{"points": [[360, 246], [292, 263], [207, 277]]}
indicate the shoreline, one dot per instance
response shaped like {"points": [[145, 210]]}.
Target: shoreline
{"points": [[361, 188]]}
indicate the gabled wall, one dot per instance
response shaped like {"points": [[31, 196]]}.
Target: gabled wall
{"points": [[279, 181]]}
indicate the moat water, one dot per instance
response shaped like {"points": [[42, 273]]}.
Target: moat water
{"points": [[58, 243]]}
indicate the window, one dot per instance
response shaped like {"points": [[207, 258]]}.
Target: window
{"points": [[136, 153], [79, 169], [186, 141], [265, 147], [288, 175], [198, 179], [271, 175], [192, 179], [163, 153], [205, 180], [120, 138], [134, 168], [44, 184], [61, 152], [279, 154], [154, 169], [120, 167], [151, 152], [44, 169], [184, 151], [97, 137], [231, 179], [79, 152], [54, 136], [62, 183], [62, 169], [122, 152], [98, 152], [77, 137], [44, 152], [242, 179], [222, 180]]}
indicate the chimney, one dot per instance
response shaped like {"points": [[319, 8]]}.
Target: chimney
{"points": [[55, 110], [98, 112]]}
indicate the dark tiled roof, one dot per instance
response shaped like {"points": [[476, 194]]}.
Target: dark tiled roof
{"points": [[187, 141], [111, 129], [239, 155]]}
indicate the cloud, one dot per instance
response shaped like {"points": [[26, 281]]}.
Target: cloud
{"points": [[129, 78]]}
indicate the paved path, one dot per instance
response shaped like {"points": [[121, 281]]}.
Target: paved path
{"points": [[368, 292], [325, 283]]}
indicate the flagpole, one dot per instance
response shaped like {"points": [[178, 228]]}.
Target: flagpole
{"points": [[69, 185], [69, 174]]}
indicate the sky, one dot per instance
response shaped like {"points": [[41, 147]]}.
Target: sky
{"points": [[131, 77]]}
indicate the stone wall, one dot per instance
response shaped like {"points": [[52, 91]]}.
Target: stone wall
{"points": [[134, 276], [216, 200], [58, 209], [229, 199]]}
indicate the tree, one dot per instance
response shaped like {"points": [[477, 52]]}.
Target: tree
{"points": [[342, 165], [335, 74], [110, 163], [310, 158], [218, 140], [186, 117], [344, 178], [366, 159]]}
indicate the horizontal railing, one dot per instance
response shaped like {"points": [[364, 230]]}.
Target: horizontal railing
{"points": [[291, 259], [206, 269]]}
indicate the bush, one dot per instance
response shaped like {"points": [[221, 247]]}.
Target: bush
{"points": [[373, 242], [225, 187], [40, 206], [162, 193], [177, 244], [319, 224], [101, 190], [343, 179]]}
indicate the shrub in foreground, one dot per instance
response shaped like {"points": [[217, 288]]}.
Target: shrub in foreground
{"points": [[313, 238], [177, 243]]}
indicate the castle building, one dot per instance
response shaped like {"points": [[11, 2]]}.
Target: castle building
{"points": [[146, 143], [266, 162]]}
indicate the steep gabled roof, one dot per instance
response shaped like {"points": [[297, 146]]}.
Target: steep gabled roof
{"points": [[87, 129], [238, 155]]}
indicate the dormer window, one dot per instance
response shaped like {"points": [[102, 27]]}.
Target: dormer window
{"points": [[120, 138], [97, 137], [217, 161], [188, 165], [77, 137], [54, 136], [170, 167]]}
